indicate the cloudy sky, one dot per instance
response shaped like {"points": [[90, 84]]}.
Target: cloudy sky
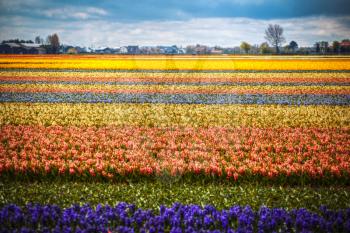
{"points": [[168, 22]]}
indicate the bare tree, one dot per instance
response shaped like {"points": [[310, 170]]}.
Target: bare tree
{"points": [[39, 40], [53, 42], [273, 34]]}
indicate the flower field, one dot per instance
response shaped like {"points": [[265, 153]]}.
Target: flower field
{"points": [[126, 218], [225, 127]]}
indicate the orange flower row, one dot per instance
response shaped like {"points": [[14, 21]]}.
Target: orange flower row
{"points": [[228, 152], [174, 90]]}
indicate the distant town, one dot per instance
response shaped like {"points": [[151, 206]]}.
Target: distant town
{"points": [[52, 46]]}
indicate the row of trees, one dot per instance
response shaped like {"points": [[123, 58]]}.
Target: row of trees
{"points": [[336, 47], [264, 48], [52, 43], [274, 35]]}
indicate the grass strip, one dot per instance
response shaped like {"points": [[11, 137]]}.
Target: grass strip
{"points": [[151, 194]]}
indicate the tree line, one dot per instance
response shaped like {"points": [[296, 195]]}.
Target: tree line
{"points": [[274, 37], [52, 43]]}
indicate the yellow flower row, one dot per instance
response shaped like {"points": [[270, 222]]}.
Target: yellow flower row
{"points": [[174, 115], [166, 57], [184, 75], [178, 64]]}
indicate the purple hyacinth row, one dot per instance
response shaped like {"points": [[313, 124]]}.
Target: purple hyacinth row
{"points": [[306, 99], [178, 218]]}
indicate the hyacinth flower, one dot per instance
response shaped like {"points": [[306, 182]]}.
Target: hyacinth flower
{"points": [[177, 218], [260, 99]]}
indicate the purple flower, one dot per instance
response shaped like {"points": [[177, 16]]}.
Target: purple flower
{"points": [[178, 218]]}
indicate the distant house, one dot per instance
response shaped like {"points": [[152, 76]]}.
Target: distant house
{"points": [[123, 50], [33, 48], [111, 51], [216, 51], [201, 49], [171, 49], [5, 48], [21, 48], [81, 49], [145, 50], [152, 50], [344, 47], [197, 49], [100, 50], [14, 48], [72, 51], [106, 50], [133, 49], [168, 49], [181, 51]]}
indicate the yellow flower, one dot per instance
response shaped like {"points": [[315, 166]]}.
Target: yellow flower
{"points": [[174, 115]]}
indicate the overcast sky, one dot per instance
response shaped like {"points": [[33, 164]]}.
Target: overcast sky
{"points": [[168, 22]]}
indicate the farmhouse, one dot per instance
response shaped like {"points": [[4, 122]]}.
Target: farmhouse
{"points": [[133, 49], [216, 51], [21, 48], [345, 47]]}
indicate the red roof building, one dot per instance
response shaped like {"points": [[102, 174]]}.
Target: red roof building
{"points": [[345, 44]]}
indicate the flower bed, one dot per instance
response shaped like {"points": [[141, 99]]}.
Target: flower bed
{"points": [[234, 132], [178, 218], [219, 151]]}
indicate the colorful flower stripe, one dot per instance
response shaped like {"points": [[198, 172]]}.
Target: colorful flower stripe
{"points": [[306, 99], [179, 218], [178, 89], [170, 115], [282, 84], [177, 64], [285, 79], [179, 81], [228, 152], [108, 76], [175, 71]]}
